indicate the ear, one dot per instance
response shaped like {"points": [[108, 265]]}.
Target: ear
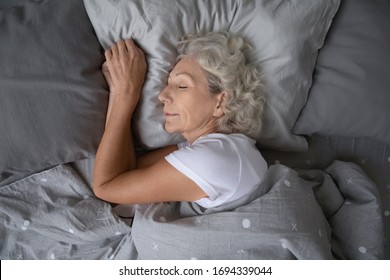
{"points": [[219, 109]]}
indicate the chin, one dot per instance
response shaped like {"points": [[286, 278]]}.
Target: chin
{"points": [[169, 128]]}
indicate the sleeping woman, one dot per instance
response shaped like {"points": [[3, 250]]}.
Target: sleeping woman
{"points": [[213, 98]]}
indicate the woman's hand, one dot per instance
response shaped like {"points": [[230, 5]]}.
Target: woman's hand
{"points": [[125, 70]]}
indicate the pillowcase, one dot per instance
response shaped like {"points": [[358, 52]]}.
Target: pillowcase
{"points": [[285, 36], [52, 96], [350, 94]]}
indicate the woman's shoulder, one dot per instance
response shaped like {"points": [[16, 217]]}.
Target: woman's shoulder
{"points": [[222, 148], [230, 148], [236, 142], [215, 145]]}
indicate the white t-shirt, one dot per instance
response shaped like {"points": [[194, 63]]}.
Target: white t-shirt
{"points": [[225, 166]]}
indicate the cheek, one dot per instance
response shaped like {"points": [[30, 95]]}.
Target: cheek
{"points": [[196, 117], [203, 108], [193, 111]]}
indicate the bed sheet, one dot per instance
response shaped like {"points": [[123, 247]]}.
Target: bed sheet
{"points": [[54, 215], [372, 156]]}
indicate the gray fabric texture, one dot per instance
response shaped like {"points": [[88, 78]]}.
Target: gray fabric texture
{"points": [[281, 220], [54, 215], [350, 93], [6, 4], [52, 92], [372, 156], [285, 36]]}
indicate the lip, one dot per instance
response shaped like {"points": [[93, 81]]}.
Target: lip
{"points": [[166, 114]]}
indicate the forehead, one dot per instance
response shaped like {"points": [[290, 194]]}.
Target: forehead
{"points": [[189, 66]]}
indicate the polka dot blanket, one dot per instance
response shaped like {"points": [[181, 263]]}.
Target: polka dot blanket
{"points": [[294, 214]]}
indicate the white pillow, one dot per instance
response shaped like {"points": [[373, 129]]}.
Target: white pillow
{"points": [[285, 35]]}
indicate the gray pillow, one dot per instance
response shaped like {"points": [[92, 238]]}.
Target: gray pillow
{"points": [[350, 93], [285, 36], [6, 4], [52, 92]]}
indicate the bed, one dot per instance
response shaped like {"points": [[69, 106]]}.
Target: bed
{"points": [[326, 131]]}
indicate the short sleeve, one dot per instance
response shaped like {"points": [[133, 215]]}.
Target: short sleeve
{"points": [[217, 165]]}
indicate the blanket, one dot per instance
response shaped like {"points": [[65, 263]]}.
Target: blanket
{"points": [[294, 214]]}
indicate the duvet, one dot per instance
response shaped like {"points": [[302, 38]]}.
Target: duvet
{"points": [[294, 214]]}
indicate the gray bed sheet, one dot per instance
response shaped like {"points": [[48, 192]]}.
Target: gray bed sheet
{"points": [[372, 156], [304, 214]]}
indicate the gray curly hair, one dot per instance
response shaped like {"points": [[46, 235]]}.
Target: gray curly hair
{"points": [[221, 56]]}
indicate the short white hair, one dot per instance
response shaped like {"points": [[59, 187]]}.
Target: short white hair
{"points": [[222, 56]]}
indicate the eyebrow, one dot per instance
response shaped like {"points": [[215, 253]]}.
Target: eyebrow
{"points": [[183, 73]]}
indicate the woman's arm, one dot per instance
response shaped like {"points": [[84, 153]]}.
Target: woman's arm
{"points": [[118, 176], [154, 156], [127, 68]]}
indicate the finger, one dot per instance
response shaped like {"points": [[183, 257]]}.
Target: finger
{"points": [[131, 47], [108, 65], [107, 76], [114, 50], [121, 47], [141, 55], [129, 43], [105, 67], [108, 54], [134, 47]]}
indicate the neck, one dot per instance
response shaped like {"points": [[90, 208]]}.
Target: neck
{"points": [[191, 137]]}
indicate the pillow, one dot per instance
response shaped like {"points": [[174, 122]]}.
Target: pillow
{"points": [[285, 35], [52, 96], [6, 4], [350, 94]]}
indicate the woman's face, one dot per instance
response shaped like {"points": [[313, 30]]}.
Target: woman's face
{"points": [[189, 108]]}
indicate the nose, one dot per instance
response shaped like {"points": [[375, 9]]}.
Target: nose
{"points": [[164, 96]]}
